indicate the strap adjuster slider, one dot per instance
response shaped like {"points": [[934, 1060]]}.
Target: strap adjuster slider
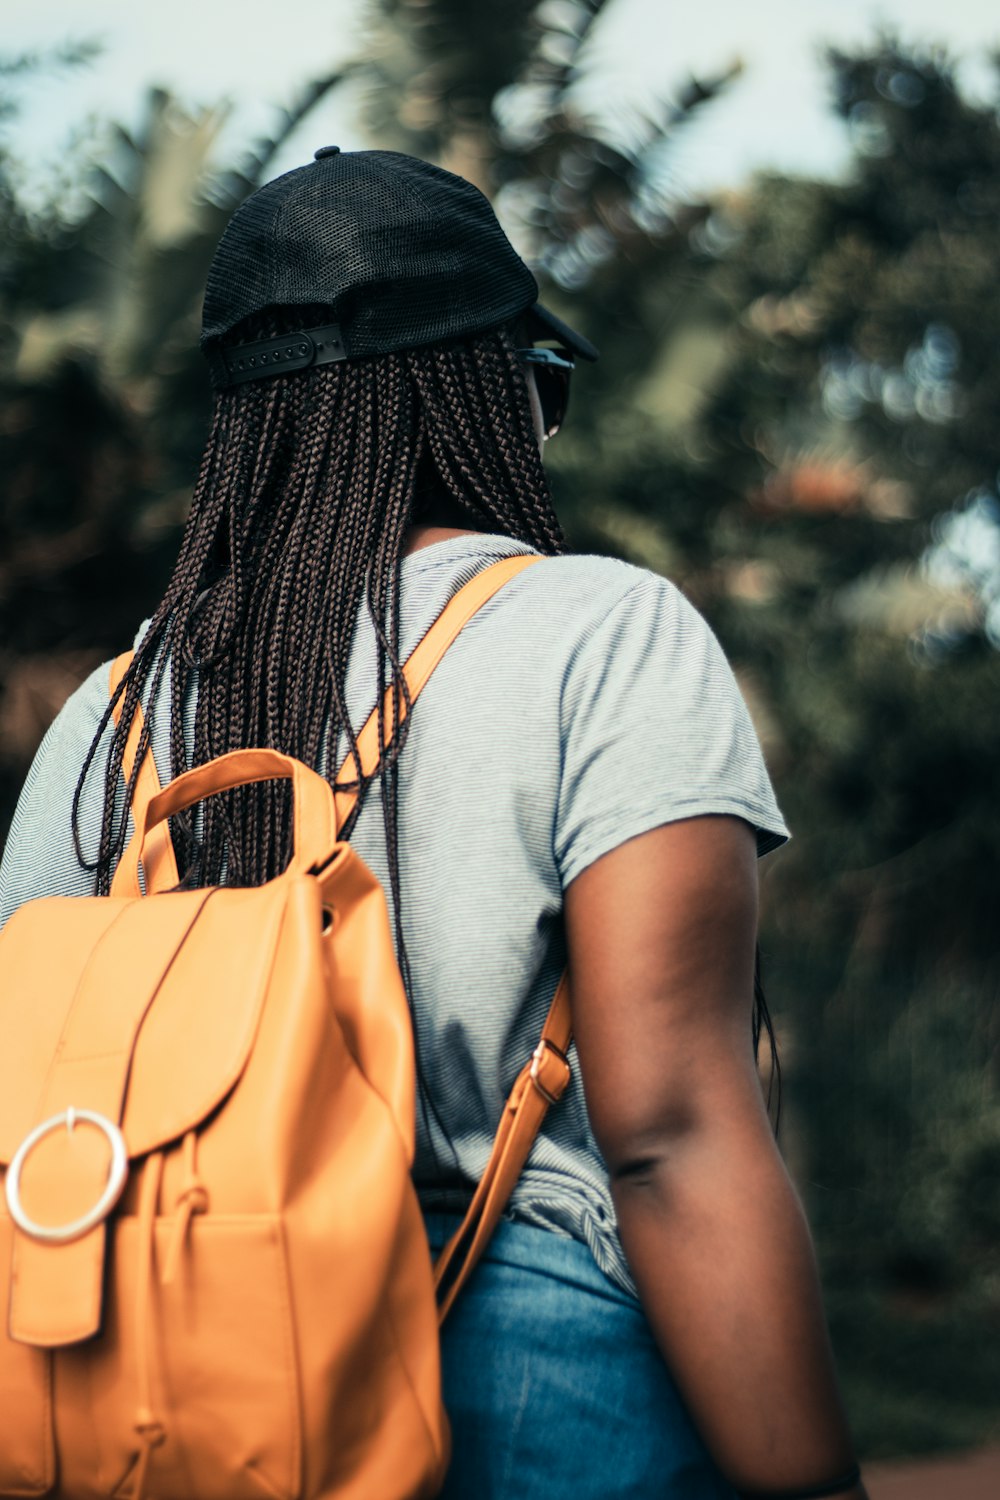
{"points": [[539, 1058]]}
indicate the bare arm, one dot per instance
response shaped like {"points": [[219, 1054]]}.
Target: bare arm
{"points": [[661, 938]]}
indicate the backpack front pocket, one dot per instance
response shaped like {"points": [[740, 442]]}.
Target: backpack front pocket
{"points": [[213, 1350]]}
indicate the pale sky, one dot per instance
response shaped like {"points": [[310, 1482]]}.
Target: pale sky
{"points": [[257, 52]]}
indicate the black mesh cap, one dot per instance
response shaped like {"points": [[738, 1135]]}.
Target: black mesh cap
{"points": [[401, 251]]}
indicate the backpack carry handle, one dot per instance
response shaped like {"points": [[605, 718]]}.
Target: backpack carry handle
{"points": [[314, 818]]}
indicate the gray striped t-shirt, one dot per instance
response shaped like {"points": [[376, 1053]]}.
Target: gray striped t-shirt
{"points": [[586, 703]]}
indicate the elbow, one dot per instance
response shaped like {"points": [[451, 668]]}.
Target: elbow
{"points": [[639, 1151], [691, 1132], [639, 1173]]}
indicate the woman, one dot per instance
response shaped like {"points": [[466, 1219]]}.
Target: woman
{"points": [[580, 783]]}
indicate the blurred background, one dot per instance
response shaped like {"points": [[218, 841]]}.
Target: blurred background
{"points": [[781, 225]]}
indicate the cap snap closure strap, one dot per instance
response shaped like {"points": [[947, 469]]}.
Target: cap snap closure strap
{"points": [[277, 356]]}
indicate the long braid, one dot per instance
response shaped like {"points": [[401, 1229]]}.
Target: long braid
{"points": [[305, 491], [303, 498], [485, 449]]}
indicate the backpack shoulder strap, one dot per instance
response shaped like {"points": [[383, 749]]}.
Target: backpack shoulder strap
{"points": [[158, 854], [545, 1076], [541, 1082], [417, 669]]}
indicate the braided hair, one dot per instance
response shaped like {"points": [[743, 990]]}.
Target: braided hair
{"points": [[308, 485]]}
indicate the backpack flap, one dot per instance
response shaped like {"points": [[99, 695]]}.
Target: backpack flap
{"points": [[127, 1023]]}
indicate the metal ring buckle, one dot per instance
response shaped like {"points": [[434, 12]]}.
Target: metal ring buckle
{"points": [[536, 1062], [59, 1234]]}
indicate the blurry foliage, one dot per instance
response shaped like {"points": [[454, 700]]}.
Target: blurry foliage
{"points": [[103, 394], [794, 418]]}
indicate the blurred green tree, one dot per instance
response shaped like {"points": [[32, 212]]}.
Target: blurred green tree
{"points": [[103, 391]]}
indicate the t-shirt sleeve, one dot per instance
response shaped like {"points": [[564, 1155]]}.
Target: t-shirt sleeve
{"points": [[654, 729], [40, 858]]}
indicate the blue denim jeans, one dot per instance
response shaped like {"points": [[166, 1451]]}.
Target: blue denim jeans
{"points": [[554, 1386]]}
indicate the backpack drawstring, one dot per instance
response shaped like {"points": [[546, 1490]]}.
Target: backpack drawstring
{"points": [[192, 1199], [147, 1425]]}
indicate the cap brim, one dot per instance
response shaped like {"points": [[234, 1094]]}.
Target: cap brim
{"points": [[548, 326]]}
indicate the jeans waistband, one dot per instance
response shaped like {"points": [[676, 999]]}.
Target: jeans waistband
{"points": [[541, 1250]]}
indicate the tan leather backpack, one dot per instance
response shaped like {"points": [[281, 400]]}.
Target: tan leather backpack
{"points": [[213, 1263]]}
